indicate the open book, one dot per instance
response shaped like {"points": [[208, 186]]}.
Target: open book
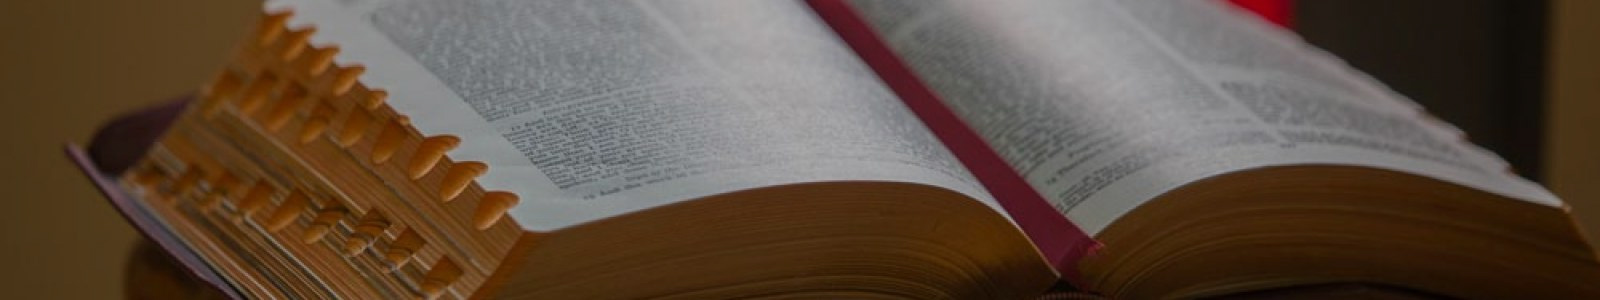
{"points": [[842, 149]]}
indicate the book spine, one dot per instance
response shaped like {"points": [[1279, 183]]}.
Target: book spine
{"points": [[304, 161]]}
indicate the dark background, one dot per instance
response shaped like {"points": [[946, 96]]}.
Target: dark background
{"points": [[1478, 64], [1521, 77]]}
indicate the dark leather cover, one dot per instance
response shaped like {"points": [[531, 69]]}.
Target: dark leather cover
{"points": [[116, 147]]}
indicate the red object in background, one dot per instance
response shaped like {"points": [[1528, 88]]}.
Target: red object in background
{"points": [[1279, 12]]}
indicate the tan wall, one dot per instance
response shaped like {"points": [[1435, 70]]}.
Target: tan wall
{"points": [[65, 66], [1572, 154]]}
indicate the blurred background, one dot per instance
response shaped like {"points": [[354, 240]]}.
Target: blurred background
{"points": [[1521, 77]]}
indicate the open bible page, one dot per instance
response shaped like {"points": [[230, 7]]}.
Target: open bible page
{"points": [[1102, 104], [590, 109]]}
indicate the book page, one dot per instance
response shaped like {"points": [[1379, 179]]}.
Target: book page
{"points": [[590, 109], [1104, 104]]}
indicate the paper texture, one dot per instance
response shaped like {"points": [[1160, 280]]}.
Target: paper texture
{"points": [[590, 109], [1105, 104]]}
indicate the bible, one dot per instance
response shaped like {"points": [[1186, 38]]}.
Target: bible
{"points": [[829, 148]]}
